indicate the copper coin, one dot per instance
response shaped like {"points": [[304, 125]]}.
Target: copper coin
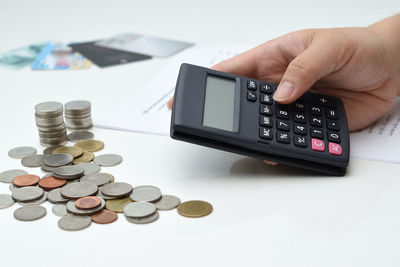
{"points": [[86, 203], [26, 180], [105, 216], [50, 183]]}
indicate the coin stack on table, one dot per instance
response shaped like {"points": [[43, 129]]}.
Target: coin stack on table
{"points": [[78, 115]]}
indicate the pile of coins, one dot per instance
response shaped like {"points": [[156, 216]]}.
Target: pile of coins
{"points": [[78, 115]]}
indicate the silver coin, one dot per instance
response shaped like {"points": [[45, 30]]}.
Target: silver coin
{"points": [[6, 201], [101, 195], [80, 135], [139, 209], [77, 105], [98, 179], [145, 193], [90, 167], [29, 213], [117, 189], [58, 160], [46, 108], [54, 134], [59, 210], [27, 193], [69, 172], [78, 190], [8, 176], [49, 151], [55, 144], [167, 202], [34, 202], [54, 196], [12, 187], [108, 160], [48, 169], [74, 222], [32, 161], [149, 219], [71, 207], [21, 151]]}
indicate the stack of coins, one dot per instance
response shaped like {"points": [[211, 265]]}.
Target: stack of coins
{"points": [[78, 115], [50, 122]]}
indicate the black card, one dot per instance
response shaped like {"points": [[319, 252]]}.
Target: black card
{"points": [[104, 57]]}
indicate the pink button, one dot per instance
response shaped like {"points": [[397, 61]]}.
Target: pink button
{"points": [[317, 145], [335, 149]]}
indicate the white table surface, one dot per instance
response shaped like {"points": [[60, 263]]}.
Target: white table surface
{"points": [[263, 215]]}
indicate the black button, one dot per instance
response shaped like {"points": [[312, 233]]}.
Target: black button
{"points": [[281, 125], [251, 85], [316, 110], [266, 99], [300, 129], [267, 88], [334, 137], [317, 133], [266, 133], [251, 96], [282, 113], [316, 121], [300, 141], [283, 137], [266, 121], [332, 125], [332, 114], [322, 100], [265, 110], [300, 106], [299, 117]]}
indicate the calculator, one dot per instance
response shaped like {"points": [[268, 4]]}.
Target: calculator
{"points": [[238, 114]]}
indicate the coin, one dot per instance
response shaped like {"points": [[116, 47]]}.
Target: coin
{"points": [[73, 222], [139, 209], [90, 167], [108, 160], [59, 210], [118, 205], [69, 172], [34, 202], [50, 183], [90, 145], [54, 196], [104, 217], [8, 176], [101, 195], [167, 202], [58, 160], [195, 208], [80, 135], [49, 151], [84, 158], [145, 193], [32, 161], [118, 189], [71, 207], [27, 193], [6, 201], [143, 220], [99, 179], [87, 203], [78, 190], [22, 151], [26, 180], [29, 213], [46, 108], [72, 150]]}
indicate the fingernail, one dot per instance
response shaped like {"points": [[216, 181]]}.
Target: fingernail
{"points": [[284, 91]]}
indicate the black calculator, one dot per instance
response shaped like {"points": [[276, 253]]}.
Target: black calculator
{"points": [[237, 114]]}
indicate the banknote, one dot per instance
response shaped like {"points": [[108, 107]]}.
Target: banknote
{"points": [[21, 57]]}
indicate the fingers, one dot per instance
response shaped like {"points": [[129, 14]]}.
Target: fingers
{"points": [[273, 163], [170, 103]]}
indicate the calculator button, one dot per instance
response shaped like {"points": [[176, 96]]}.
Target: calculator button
{"points": [[300, 106], [281, 125], [316, 110], [335, 149], [334, 137], [332, 114], [251, 85], [317, 145], [321, 99], [283, 137], [300, 129], [266, 121], [251, 96], [316, 121], [300, 141], [299, 117], [266, 133], [282, 113], [265, 110], [266, 88], [333, 125], [317, 133], [266, 99]]}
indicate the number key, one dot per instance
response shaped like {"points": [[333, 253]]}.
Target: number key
{"points": [[282, 113], [315, 110], [299, 117], [316, 121], [281, 125], [300, 129]]}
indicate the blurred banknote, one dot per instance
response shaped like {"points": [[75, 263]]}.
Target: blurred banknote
{"points": [[21, 57]]}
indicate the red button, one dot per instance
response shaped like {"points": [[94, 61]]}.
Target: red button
{"points": [[317, 145], [335, 149]]}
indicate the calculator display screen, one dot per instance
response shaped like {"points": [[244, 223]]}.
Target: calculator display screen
{"points": [[219, 104]]}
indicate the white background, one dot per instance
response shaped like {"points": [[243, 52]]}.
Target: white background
{"points": [[264, 215]]}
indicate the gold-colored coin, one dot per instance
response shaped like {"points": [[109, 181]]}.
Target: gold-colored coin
{"points": [[118, 204], [90, 145], [73, 151], [111, 178], [84, 158], [195, 208]]}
